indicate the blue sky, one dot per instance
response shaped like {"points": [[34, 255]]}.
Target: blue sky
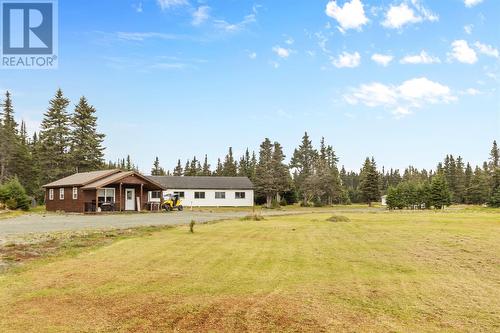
{"points": [[405, 81]]}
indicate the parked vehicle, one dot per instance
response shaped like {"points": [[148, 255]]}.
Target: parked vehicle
{"points": [[171, 202]]}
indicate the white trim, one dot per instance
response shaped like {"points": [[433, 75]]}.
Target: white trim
{"points": [[51, 194], [75, 193], [130, 203], [61, 193], [106, 189]]}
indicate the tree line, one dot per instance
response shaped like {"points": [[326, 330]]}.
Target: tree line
{"points": [[70, 142], [66, 143]]}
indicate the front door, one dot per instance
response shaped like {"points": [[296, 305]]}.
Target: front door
{"points": [[129, 199]]}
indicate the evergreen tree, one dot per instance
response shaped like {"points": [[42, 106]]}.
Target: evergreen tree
{"points": [[129, 166], [369, 182], [494, 200], [281, 174], [478, 190], [440, 195], [178, 171], [302, 162], [219, 170], [54, 140], [87, 152], [8, 139], [264, 177], [206, 167], [157, 170], [230, 167]]}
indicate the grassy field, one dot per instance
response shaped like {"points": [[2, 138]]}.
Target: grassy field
{"points": [[379, 272]]}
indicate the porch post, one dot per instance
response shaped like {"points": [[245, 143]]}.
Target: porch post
{"points": [[140, 201], [96, 199], [120, 196]]}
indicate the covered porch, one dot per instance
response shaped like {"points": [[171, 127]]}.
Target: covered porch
{"points": [[126, 191]]}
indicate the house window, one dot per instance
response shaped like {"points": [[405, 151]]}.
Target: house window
{"points": [[220, 195], [155, 194], [106, 195], [199, 195], [180, 194], [75, 193], [61, 194], [239, 195], [51, 194]]}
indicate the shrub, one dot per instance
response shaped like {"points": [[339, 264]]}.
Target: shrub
{"points": [[338, 218], [254, 217], [13, 195], [275, 204], [191, 226]]}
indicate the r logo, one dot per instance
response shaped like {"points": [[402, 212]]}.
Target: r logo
{"points": [[27, 28]]}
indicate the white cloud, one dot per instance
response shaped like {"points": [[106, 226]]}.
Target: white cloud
{"points": [[235, 27], [462, 52], [405, 13], [281, 51], [471, 3], [346, 59], [422, 58], [138, 7], [382, 59], [252, 55], [486, 49], [289, 41], [468, 28], [472, 92], [402, 99], [167, 4], [141, 36], [350, 16], [201, 15]]}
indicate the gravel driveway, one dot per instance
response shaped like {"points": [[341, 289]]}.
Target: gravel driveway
{"points": [[37, 223]]}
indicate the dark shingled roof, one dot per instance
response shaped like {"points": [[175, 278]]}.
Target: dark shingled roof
{"points": [[208, 183], [82, 178]]}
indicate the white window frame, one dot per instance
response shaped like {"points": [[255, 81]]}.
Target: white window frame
{"points": [[61, 193], [51, 194], [75, 193], [158, 197], [106, 189], [240, 197], [179, 194], [199, 197], [222, 195]]}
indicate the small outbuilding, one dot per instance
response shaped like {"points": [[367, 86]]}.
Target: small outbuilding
{"points": [[96, 191], [206, 191]]}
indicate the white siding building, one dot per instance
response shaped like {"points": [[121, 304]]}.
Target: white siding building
{"points": [[207, 191]]}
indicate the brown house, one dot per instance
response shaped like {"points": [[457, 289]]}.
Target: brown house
{"points": [[96, 191]]}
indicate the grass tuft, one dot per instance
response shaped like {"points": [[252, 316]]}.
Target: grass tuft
{"points": [[338, 218], [253, 217]]}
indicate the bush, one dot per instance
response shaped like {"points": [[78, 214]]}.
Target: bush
{"points": [[338, 218], [13, 195], [275, 204], [191, 226], [254, 217]]}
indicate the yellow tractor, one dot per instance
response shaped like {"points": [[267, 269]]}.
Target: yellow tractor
{"points": [[171, 202]]}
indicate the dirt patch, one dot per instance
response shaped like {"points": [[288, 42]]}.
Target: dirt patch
{"points": [[152, 313], [54, 244]]}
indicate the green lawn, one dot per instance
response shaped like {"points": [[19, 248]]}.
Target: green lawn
{"points": [[380, 272]]}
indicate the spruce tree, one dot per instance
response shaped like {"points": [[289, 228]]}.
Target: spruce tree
{"points": [[178, 171], [206, 167], [369, 183], [87, 152], [281, 173], [302, 162], [54, 140], [440, 195], [219, 170], [157, 170], [230, 166], [8, 139], [264, 177]]}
